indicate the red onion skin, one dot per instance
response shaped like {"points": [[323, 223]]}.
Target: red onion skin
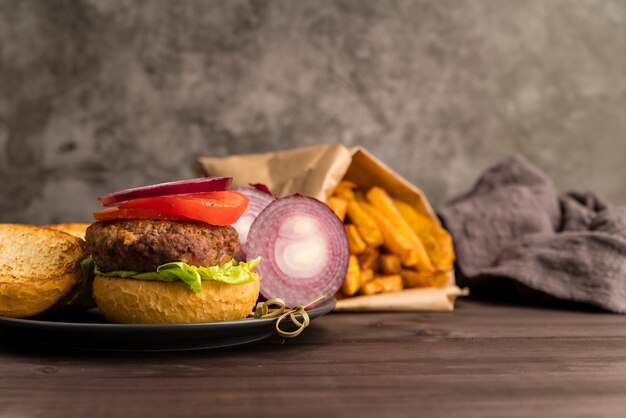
{"points": [[263, 240], [262, 188], [183, 187]]}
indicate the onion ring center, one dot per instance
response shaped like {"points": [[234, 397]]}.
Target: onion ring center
{"points": [[301, 250]]}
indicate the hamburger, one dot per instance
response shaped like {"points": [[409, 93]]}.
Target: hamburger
{"points": [[170, 259]]}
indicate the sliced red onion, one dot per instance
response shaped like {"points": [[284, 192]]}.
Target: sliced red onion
{"points": [[303, 248], [262, 188], [191, 186], [257, 201]]}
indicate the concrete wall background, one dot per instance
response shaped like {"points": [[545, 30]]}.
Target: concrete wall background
{"points": [[101, 95]]}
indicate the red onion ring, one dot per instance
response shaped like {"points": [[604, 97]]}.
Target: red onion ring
{"points": [[303, 247], [257, 201], [191, 186]]}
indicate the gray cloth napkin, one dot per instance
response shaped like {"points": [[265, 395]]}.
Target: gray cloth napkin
{"points": [[513, 225]]}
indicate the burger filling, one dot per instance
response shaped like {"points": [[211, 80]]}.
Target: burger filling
{"points": [[168, 251]]}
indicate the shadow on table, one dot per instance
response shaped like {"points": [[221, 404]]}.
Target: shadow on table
{"points": [[509, 293], [19, 346]]}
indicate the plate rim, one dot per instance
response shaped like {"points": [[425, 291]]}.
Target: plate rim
{"points": [[29, 323]]}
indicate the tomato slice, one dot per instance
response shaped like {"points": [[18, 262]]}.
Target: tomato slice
{"points": [[215, 208]]}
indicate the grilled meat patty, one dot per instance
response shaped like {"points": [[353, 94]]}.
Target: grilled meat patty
{"points": [[143, 245]]}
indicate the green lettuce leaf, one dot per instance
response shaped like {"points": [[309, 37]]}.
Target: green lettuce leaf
{"points": [[80, 297], [232, 272]]}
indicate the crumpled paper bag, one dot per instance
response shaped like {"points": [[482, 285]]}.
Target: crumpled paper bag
{"points": [[316, 171], [312, 171]]}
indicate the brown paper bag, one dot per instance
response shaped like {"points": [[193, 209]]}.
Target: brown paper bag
{"points": [[316, 171], [312, 171]]}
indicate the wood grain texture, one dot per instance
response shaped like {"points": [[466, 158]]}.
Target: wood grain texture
{"points": [[482, 360]]}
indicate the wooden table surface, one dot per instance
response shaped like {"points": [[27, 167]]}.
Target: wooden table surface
{"points": [[482, 360]]}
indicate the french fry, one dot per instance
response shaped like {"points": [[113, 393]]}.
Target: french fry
{"points": [[368, 259], [359, 196], [436, 240], [418, 221], [418, 251], [366, 276], [393, 240], [347, 194], [381, 200], [345, 185], [390, 264], [372, 287], [339, 206], [380, 284], [352, 281], [356, 243], [440, 248], [412, 278], [366, 226], [345, 190], [391, 283]]}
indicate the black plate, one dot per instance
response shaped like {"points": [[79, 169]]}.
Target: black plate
{"points": [[89, 330]]}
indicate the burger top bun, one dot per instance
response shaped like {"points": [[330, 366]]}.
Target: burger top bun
{"points": [[76, 229], [38, 266], [132, 301]]}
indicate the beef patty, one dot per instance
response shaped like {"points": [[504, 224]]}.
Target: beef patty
{"points": [[143, 245]]}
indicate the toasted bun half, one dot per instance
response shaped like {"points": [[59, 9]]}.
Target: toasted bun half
{"points": [[131, 301], [38, 266], [76, 229]]}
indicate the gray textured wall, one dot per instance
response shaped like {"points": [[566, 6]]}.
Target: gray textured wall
{"points": [[101, 95]]}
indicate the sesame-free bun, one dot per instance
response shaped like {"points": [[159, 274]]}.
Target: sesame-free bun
{"points": [[133, 301], [75, 229], [38, 266]]}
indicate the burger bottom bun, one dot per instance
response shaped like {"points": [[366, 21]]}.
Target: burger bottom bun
{"points": [[133, 301]]}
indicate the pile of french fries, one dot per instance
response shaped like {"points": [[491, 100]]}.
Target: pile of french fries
{"points": [[392, 245]]}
